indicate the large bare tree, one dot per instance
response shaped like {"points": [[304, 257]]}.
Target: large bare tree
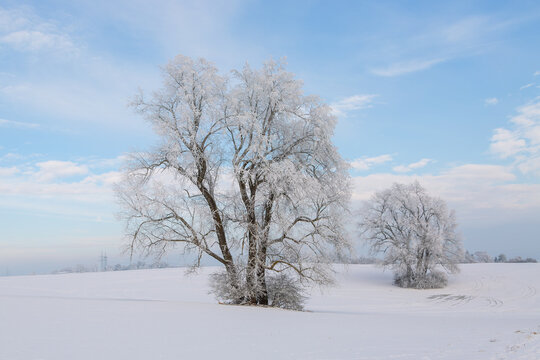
{"points": [[245, 173]]}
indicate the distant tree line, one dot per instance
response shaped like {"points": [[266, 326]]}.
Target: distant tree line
{"points": [[468, 258], [361, 260], [79, 268], [484, 257]]}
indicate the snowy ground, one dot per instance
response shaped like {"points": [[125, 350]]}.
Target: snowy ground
{"points": [[489, 311]]}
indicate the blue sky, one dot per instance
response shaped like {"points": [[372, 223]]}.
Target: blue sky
{"points": [[446, 93]]}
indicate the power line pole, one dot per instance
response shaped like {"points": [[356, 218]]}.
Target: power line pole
{"points": [[103, 261]]}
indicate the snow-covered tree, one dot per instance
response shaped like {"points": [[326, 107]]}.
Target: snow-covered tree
{"points": [[482, 257], [415, 232], [245, 173]]}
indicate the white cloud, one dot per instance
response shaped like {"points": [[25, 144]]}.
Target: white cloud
{"points": [[491, 101], [480, 173], [64, 188], [22, 30], [402, 68], [526, 86], [521, 142], [507, 143], [366, 163], [352, 103], [10, 157], [72, 101], [435, 42], [107, 179], [530, 165], [26, 40], [99, 164], [477, 191], [17, 124], [54, 169], [71, 77], [415, 165], [536, 73], [8, 171], [465, 30], [169, 23]]}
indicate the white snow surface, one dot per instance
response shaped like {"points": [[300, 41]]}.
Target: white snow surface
{"points": [[488, 311]]}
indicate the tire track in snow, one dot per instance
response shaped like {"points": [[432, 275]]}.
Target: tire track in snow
{"points": [[453, 300], [478, 284], [493, 302], [530, 292]]}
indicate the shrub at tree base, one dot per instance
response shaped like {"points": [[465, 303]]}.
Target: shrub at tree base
{"points": [[432, 280], [284, 291]]}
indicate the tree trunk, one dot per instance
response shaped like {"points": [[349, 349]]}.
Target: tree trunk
{"points": [[262, 295], [426, 262], [251, 269], [222, 239], [261, 271], [420, 258]]}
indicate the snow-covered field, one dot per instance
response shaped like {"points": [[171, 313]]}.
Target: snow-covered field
{"points": [[488, 311]]}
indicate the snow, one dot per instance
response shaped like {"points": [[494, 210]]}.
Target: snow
{"points": [[488, 311]]}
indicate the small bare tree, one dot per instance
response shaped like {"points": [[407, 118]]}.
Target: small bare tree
{"points": [[415, 232], [246, 173]]}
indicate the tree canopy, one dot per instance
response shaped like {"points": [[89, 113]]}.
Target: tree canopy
{"points": [[415, 232], [245, 173]]}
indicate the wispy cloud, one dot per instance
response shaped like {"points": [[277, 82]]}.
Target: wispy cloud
{"points": [[69, 188], [402, 68], [366, 163], [17, 124], [412, 166], [476, 191], [72, 101], [352, 103], [526, 86], [536, 73], [54, 169], [27, 40], [466, 29], [433, 43], [8, 171], [506, 143], [170, 23], [521, 141], [22, 30], [69, 85], [491, 101]]}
